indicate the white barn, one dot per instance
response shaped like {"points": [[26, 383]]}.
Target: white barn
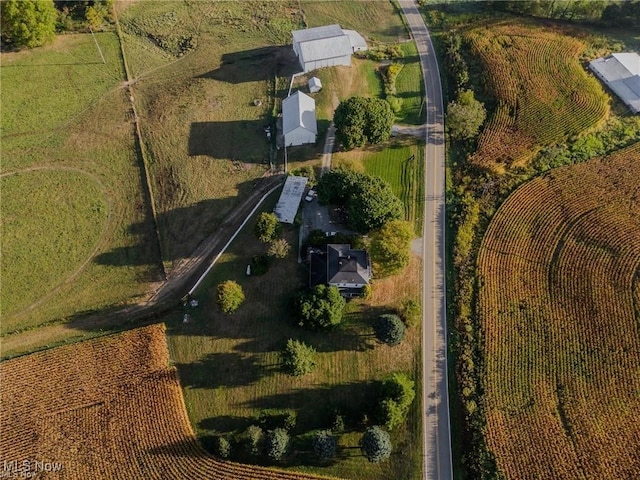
{"points": [[621, 73], [299, 124], [326, 46]]}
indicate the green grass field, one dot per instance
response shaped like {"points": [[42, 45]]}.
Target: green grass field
{"points": [[377, 21], [228, 365], [73, 215], [410, 87], [47, 87]]}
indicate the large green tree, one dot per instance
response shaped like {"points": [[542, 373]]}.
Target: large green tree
{"points": [[391, 247], [370, 201], [322, 307], [229, 296], [397, 395], [373, 204], [465, 116], [277, 443], [361, 120], [253, 440], [324, 445], [390, 329], [267, 227], [28, 23], [298, 358], [376, 444]]}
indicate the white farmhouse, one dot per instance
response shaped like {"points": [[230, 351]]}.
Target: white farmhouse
{"points": [[326, 46], [299, 120], [621, 73]]}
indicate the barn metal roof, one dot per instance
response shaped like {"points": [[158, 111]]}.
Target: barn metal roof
{"points": [[289, 201], [299, 110], [326, 31], [621, 73], [319, 43]]}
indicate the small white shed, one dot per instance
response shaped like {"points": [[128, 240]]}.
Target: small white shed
{"points": [[299, 124], [315, 85]]}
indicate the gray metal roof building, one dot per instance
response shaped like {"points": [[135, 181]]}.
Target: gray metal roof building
{"points": [[326, 46], [289, 201], [621, 73], [299, 124]]}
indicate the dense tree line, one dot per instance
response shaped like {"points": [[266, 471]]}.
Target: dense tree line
{"points": [[610, 13]]}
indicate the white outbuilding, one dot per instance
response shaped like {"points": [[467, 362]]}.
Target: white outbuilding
{"points": [[290, 197], [326, 46], [299, 124], [621, 73], [315, 85]]}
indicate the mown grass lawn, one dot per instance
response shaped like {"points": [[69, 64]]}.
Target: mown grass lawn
{"points": [[229, 365], [410, 87]]}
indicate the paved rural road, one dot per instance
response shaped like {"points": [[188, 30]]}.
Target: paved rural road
{"points": [[435, 394]]}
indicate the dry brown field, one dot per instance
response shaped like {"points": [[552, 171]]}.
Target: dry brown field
{"points": [[543, 94], [559, 305], [108, 408]]}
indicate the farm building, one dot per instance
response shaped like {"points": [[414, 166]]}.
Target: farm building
{"points": [[342, 267], [315, 85], [299, 119], [290, 198], [621, 73], [326, 46]]}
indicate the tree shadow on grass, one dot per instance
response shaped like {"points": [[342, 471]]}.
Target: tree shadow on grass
{"points": [[226, 423], [223, 370], [316, 407], [238, 141]]}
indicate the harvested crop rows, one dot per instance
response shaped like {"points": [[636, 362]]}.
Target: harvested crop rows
{"points": [[543, 94], [559, 304], [107, 408]]}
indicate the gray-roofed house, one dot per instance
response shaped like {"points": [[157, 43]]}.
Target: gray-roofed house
{"points": [[299, 124], [326, 46], [621, 73], [342, 267]]}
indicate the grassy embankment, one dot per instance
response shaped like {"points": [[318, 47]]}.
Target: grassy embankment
{"points": [[71, 184]]}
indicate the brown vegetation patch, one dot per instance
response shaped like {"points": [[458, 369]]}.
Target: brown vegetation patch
{"points": [[558, 304]]}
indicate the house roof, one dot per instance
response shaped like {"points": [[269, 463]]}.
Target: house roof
{"points": [[321, 43], [347, 266], [299, 110], [621, 73], [289, 200]]}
